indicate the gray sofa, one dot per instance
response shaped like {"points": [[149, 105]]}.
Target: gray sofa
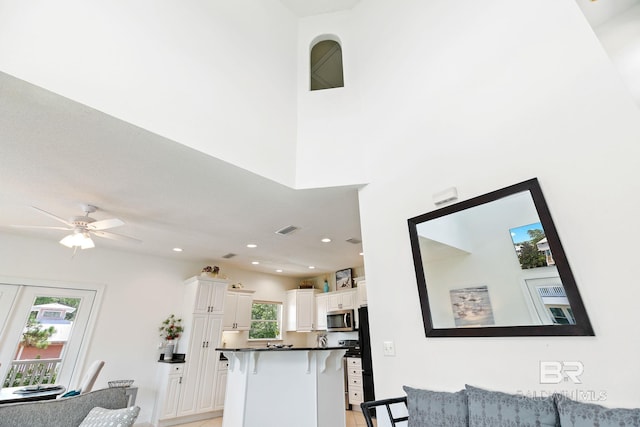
{"points": [[66, 412], [476, 407]]}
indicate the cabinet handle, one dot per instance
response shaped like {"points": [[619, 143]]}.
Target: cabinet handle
{"points": [[203, 344], [180, 381]]}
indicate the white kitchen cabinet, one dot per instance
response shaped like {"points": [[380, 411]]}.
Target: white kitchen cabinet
{"points": [[205, 295], [362, 293], [301, 309], [322, 302], [169, 380], [193, 393], [342, 300], [354, 380], [221, 383], [237, 310]]}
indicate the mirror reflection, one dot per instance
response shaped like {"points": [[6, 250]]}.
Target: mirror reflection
{"points": [[494, 265]]}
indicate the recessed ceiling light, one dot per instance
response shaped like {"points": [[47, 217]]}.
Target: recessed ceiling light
{"points": [[312, 267], [177, 249], [255, 262], [361, 253], [279, 270], [326, 240], [252, 245]]}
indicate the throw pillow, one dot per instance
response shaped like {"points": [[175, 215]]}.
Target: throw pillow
{"points": [[496, 409], [70, 393], [101, 417], [580, 414], [436, 408]]}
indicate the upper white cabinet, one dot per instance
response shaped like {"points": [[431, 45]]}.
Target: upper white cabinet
{"points": [[342, 300], [205, 295], [301, 309], [362, 293], [237, 310], [322, 302]]}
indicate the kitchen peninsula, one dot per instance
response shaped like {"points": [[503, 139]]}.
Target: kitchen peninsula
{"points": [[274, 387]]}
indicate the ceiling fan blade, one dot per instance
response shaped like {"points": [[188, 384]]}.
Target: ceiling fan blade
{"points": [[115, 236], [105, 223], [56, 217], [41, 227]]}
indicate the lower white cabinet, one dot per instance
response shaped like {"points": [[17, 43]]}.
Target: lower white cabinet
{"points": [[169, 380], [221, 383], [354, 379]]}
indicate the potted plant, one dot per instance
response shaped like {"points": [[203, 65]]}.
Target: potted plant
{"points": [[170, 330]]}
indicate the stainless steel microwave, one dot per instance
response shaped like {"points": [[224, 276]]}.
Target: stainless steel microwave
{"points": [[340, 320]]}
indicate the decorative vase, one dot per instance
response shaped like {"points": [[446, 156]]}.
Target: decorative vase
{"points": [[168, 350], [326, 286]]}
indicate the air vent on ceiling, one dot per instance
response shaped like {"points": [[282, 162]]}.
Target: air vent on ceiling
{"points": [[229, 255], [354, 240], [286, 230]]}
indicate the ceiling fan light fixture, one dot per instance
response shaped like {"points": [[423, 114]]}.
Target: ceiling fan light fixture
{"points": [[78, 239], [87, 243]]}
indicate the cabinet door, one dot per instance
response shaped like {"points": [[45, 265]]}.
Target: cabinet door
{"points": [[209, 367], [217, 298], [196, 355], [221, 389], [348, 299], [243, 312], [322, 302], [203, 298], [170, 403], [210, 297], [305, 311], [335, 301], [230, 308], [291, 311]]}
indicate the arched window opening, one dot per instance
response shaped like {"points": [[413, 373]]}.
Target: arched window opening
{"points": [[326, 65]]}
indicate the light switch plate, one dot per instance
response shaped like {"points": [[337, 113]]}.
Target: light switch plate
{"points": [[389, 348]]}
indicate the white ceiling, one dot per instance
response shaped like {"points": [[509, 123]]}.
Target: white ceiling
{"points": [[598, 12], [304, 8], [57, 154]]}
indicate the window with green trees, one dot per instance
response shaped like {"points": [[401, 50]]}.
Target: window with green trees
{"points": [[266, 320]]}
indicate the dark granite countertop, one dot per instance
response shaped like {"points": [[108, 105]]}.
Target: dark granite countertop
{"points": [[246, 349]]}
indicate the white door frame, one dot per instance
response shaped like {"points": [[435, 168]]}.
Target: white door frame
{"points": [[77, 356]]}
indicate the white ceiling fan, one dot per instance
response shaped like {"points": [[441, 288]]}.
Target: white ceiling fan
{"points": [[82, 228]]}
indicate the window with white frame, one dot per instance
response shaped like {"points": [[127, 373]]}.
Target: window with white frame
{"points": [[266, 320]]}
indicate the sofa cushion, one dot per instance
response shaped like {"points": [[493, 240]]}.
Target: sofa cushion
{"points": [[497, 409], [101, 417], [580, 414], [67, 412], [436, 408]]}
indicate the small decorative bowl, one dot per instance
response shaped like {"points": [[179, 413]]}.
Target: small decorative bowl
{"points": [[120, 383]]}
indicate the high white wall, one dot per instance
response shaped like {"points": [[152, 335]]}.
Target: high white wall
{"points": [[217, 76], [140, 292], [481, 95], [621, 39]]}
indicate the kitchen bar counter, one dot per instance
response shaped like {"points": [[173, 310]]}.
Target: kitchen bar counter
{"points": [[274, 348], [289, 386]]}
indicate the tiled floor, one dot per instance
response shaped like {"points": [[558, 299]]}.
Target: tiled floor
{"points": [[354, 419]]}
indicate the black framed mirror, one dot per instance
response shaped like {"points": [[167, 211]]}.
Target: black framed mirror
{"points": [[493, 265]]}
